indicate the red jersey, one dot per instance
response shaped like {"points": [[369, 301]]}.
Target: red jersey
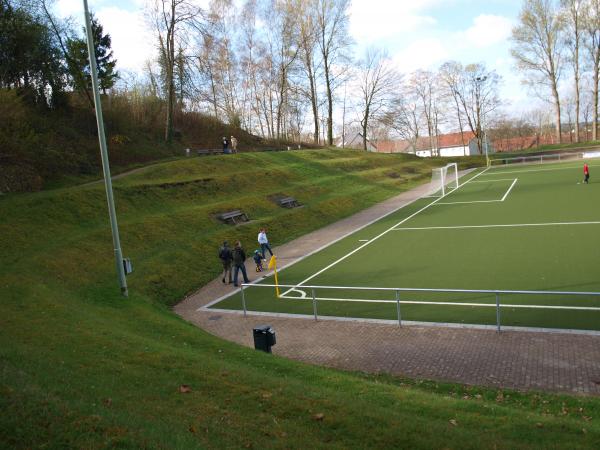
{"points": [[586, 169]]}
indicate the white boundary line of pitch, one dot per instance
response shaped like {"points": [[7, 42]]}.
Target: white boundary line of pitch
{"points": [[514, 181], [508, 225], [383, 233], [422, 302]]}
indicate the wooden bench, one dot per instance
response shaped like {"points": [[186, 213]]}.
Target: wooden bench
{"points": [[288, 202], [206, 152], [232, 216]]}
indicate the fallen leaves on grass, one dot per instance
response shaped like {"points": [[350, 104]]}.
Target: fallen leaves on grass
{"points": [[453, 422], [107, 402], [318, 417], [539, 425], [185, 389]]}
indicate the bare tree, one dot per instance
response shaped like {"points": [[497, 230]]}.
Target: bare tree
{"points": [[405, 117], [170, 17], [451, 78], [424, 84], [308, 47], [592, 28], [537, 48], [379, 82], [332, 23], [573, 30]]}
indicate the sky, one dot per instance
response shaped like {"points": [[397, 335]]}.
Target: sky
{"points": [[417, 34]]}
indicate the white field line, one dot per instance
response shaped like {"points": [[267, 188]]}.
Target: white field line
{"points": [[381, 234], [468, 203], [363, 240], [493, 181], [538, 170], [419, 302], [509, 225], [509, 189], [514, 180]]}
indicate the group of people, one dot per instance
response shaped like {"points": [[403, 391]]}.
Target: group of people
{"points": [[229, 145], [233, 259]]}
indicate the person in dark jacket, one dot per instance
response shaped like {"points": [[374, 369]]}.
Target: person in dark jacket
{"points": [[239, 257], [226, 145], [258, 260], [226, 258]]}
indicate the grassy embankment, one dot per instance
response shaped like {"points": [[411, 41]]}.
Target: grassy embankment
{"points": [[83, 367]]}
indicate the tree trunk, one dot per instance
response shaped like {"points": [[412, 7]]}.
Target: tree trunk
{"points": [[557, 112], [364, 124], [313, 101], [577, 101], [329, 106], [595, 110], [170, 76]]}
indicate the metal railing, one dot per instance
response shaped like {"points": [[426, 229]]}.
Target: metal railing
{"points": [[399, 302], [536, 159]]}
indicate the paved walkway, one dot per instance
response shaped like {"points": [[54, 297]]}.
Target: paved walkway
{"points": [[511, 359]]}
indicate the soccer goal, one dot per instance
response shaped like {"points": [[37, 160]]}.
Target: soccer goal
{"points": [[444, 180]]}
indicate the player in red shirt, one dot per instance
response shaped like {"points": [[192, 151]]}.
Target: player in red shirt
{"points": [[586, 173]]}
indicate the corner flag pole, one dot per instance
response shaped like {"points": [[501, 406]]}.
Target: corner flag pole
{"points": [[105, 165], [273, 265]]}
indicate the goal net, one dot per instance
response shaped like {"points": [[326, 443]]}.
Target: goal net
{"points": [[443, 180]]}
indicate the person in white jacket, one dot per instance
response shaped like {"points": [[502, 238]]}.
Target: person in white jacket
{"points": [[264, 242]]}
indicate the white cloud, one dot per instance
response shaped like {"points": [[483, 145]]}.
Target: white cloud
{"points": [[132, 40], [424, 53], [487, 30], [371, 20]]}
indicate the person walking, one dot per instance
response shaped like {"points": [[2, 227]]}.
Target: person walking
{"points": [[226, 258], [586, 173], [264, 242], [239, 257], [234, 143]]}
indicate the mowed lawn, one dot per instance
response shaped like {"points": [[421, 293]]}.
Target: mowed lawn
{"points": [[530, 227]]}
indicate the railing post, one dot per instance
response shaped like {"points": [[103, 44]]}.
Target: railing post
{"points": [[498, 311], [398, 308], [314, 300], [243, 299]]}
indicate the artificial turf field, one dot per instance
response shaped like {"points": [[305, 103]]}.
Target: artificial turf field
{"points": [[528, 227]]}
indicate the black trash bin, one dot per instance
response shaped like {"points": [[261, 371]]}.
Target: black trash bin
{"points": [[264, 338]]}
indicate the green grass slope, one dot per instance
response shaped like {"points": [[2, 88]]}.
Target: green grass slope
{"points": [[82, 367]]}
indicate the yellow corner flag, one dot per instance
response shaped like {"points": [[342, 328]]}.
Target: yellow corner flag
{"points": [[273, 265]]}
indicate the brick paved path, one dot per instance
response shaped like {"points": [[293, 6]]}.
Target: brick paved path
{"points": [[511, 359]]}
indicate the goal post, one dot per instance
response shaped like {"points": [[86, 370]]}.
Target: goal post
{"points": [[444, 180]]}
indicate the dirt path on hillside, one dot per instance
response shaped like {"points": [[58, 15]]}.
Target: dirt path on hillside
{"points": [[511, 359]]}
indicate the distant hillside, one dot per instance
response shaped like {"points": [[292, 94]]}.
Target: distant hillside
{"points": [[40, 147]]}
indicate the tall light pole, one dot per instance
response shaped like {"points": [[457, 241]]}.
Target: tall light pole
{"points": [[104, 153], [481, 115]]}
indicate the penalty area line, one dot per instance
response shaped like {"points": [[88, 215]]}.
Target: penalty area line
{"points": [[508, 225]]}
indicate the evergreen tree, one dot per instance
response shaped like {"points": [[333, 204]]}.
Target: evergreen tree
{"points": [[79, 62], [30, 59]]}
